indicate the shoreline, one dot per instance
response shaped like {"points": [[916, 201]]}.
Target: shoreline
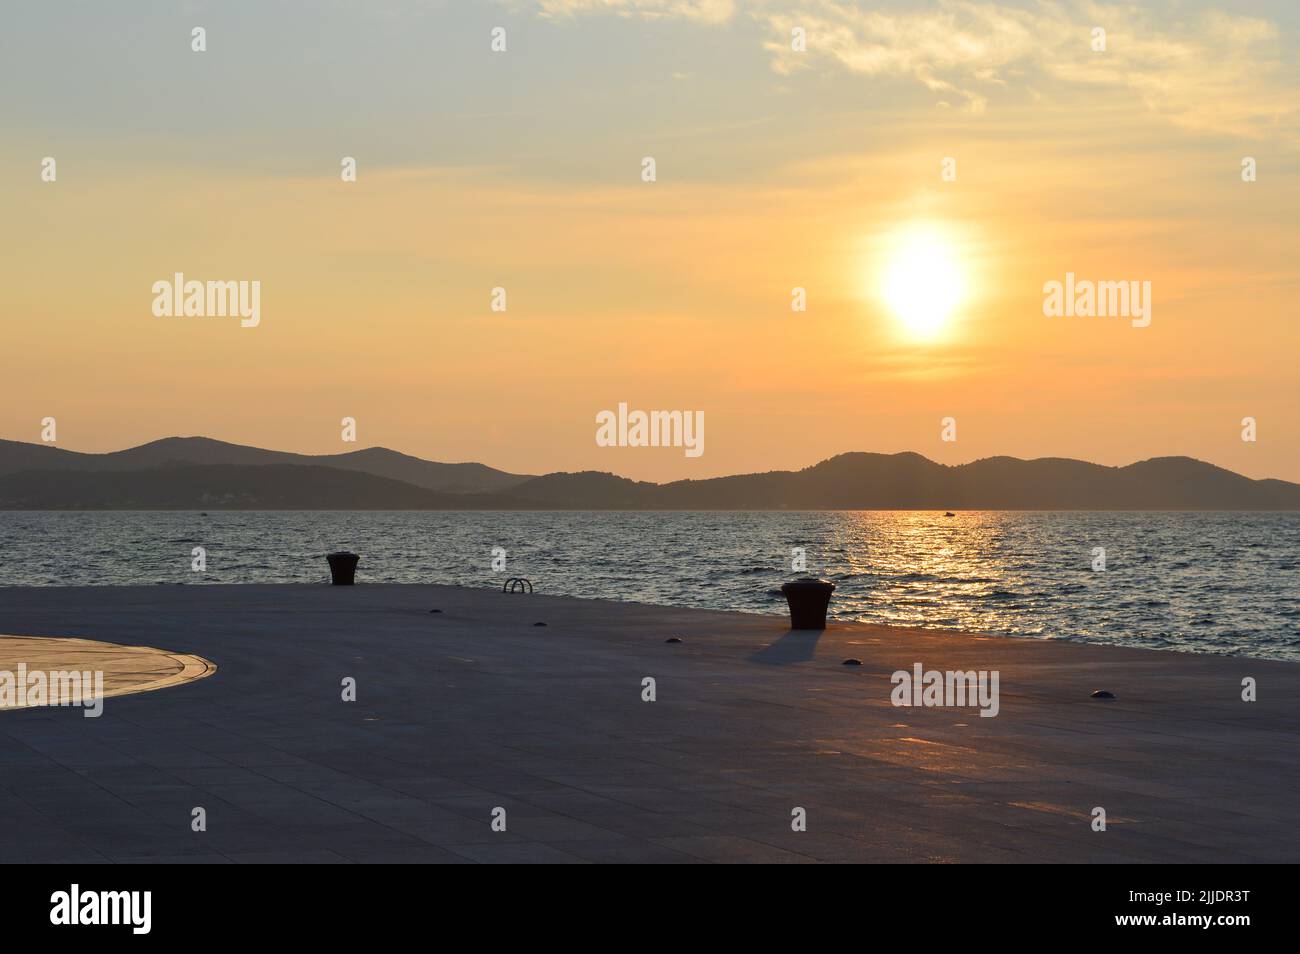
{"points": [[779, 615], [474, 707]]}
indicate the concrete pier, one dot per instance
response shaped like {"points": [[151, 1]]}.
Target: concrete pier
{"points": [[475, 708]]}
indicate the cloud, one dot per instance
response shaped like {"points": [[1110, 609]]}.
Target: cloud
{"points": [[1210, 70], [1201, 69], [957, 49]]}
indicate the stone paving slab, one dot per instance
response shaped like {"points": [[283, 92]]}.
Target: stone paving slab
{"points": [[475, 708], [124, 669]]}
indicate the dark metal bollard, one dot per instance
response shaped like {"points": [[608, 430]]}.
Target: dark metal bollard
{"points": [[808, 598], [343, 567]]}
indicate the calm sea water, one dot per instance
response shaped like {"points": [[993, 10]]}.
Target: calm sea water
{"points": [[1215, 583]]}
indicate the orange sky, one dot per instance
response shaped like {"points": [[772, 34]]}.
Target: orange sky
{"points": [[676, 294]]}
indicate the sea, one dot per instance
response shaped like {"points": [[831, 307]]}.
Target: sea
{"points": [[1225, 583]]}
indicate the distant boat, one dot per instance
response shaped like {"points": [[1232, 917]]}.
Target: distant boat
{"points": [[949, 513]]}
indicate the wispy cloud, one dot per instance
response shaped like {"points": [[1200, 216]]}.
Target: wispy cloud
{"points": [[1211, 70], [1201, 69]]}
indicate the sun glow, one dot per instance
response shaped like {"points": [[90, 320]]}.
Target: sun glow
{"points": [[922, 281]]}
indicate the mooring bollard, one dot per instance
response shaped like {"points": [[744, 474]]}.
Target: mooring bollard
{"points": [[808, 598], [343, 567]]}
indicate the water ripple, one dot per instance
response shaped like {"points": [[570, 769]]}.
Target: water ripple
{"points": [[1215, 583]]}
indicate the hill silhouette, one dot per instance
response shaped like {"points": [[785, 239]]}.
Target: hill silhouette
{"points": [[202, 474], [16, 456], [227, 487], [908, 481]]}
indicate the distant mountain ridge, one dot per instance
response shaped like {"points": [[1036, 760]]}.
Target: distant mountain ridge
{"points": [[226, 487], [378, 461], [202, 474]]}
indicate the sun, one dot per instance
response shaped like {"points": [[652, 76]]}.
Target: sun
{"points": [[922, 281]]}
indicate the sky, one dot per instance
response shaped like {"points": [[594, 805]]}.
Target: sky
{"points": [[775, 169]]}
